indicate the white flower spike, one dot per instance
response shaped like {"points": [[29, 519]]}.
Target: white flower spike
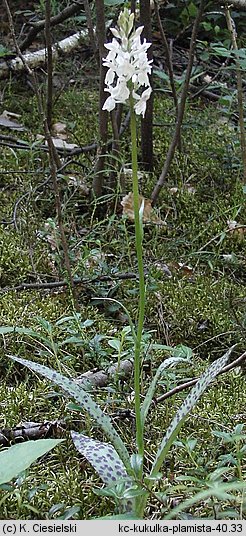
{"points": [[128, 66]]}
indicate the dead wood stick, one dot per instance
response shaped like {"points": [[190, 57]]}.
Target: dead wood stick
{"points": [[63, 283], [32, 430], [236, 363], [37, 27], [35, 59]]}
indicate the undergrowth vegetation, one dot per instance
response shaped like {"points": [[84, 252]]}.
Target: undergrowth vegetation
{"points": [[195, 297], [194, 262]]}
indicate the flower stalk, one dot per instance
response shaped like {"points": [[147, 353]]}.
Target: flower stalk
{"points": [[127, 82], [139, 251]]}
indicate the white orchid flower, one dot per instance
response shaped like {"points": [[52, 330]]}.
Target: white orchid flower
{"points": [[128, 66], [140, 106]]}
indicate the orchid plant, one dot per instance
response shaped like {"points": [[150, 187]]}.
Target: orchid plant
{"points": [[127, 81], [128, 66]]}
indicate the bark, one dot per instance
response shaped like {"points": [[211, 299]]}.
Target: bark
{"points": [[98, 180], [31, 430], [38, 58]]}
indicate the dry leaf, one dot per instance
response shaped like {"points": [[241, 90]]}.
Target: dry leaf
{"points": [[78, 182], [190, 189], [236, 229], [95, 259], [58, 143], [163, 268], [186, 187], [148, 213], [173, 190], [128, 173], [183, 268], [62, 144], [9, 115], [59, 130], [7, 122]]}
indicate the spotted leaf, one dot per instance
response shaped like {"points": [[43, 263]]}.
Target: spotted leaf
{"points": [[188, 404], [102, 456], [170, 362], [84, 399]]}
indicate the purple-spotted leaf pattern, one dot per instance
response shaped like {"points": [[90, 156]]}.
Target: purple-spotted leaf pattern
{"points": [[188, 404], [170, 362], [86, 401], [102, 456]]}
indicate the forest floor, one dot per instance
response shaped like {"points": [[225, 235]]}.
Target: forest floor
{"points": [[195, 266]]}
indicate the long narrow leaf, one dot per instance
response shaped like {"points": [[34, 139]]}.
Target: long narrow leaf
{"points": [[181, 415], [84, 399], [170, 362], [4, 330]]}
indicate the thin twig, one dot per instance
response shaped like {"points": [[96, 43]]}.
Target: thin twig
{"points": [[49, 91], [91, 32], [76, 281], [236, 363], [232, 29], [167, 56], [98, 180], [181, 108], [37, 27]]}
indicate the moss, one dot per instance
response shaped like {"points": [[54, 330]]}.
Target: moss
{"points": [[199, 304]]}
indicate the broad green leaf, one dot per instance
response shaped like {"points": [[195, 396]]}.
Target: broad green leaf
{"points": [[115, 344], [84, 399], [102, 456], [170, 362], [71, 340], [161, 74], [19, 457], [188, 404]]}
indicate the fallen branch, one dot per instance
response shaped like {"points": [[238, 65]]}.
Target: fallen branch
{"points": [[35, 59], [63, 283], [31, 430], [10, 141], [37, 27], [236, 363], [55, 429]]}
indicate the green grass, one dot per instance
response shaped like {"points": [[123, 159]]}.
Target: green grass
{"points": [[202, 307]]}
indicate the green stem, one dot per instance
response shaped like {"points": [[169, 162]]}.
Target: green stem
{"points": [[139, 251]]}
